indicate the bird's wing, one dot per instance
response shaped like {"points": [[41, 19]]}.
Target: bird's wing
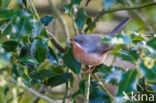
{"points": [[104, 48], [97, 46]]}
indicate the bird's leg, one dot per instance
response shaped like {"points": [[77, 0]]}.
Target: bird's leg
{"points": [[90, 71]]}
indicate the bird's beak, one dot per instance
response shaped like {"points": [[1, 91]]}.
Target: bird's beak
{"points": [[71, 39]]}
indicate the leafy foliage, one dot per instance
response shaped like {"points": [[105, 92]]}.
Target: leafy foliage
{"points": [[28, 57]]}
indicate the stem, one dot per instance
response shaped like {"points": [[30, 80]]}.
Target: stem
{"points": [[62, 22], [104, 89], [87, 88], [33, 8], [103, 11], [66, 94]]}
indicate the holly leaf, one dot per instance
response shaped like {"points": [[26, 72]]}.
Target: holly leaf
{"points": [[71, 62], [59, 79], [81, 18], [46, 20], [127, 82], [10, 45]]}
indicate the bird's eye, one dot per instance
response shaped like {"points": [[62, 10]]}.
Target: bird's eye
{"points": [[81, 42]]}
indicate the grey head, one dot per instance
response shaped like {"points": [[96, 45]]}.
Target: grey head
{"points": [[89, 42]]}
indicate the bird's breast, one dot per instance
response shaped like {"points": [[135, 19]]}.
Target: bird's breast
{"points": [[85, 57]]}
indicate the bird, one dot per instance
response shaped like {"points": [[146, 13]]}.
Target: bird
{"points": [[89, 50]]}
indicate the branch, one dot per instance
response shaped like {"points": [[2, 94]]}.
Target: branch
{"points": [[105, 89], [103, 11], [56, 42], [141, 16], [87, 88], [33, 8], [62, 22], [31, 90]]}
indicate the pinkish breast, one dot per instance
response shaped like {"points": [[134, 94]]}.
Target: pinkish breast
{"points": [[87, 58]]}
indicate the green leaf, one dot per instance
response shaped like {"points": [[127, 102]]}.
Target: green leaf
{"points": [[149, 73], [75, 95], [46, 20], [19, 71], [97, 95], [24, 52], [39, 49], [127, 82], [29, 60], [68, 7], [40, 76], [152, 43], [53, 54], [59, 79], [7, 14], [10, 45], [71, 62], [22, 27], [81, 18], [130, 55], [108, 3], [138, 38], [82, 86], [120, 1], [110, 74], [4, 4]]}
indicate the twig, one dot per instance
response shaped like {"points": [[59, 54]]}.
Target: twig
{"points": [[62, 22], [31, 90], [33, 8], [141, 16], [87, 88], [66, 93], [88, 1], [56, 42], [104, 89], [54, 27], [102, 12]]}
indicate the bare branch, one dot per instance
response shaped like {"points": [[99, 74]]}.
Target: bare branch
{"points": [[56, 42], [103, 11], [31, 90], [61, 20]]}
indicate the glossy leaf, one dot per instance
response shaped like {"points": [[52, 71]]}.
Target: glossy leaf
{"points": [[29, 60], [59, 79], [41, 75], [97, 95], [152, 43], [138, 38], [71, 62], [39, 50], [7, 14], [53, 54], [81, 18], [149, 73], [10, 45], [131, 56], [127, 82], [68, 7], [46, 20]]}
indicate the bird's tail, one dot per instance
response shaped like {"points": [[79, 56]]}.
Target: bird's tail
{"points": [[119, 27]]}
